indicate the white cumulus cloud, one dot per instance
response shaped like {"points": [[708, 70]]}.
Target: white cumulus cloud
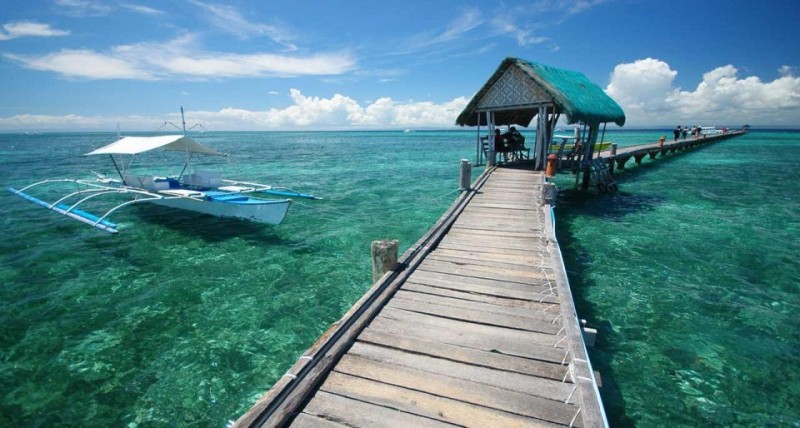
{"points": [[13, 30], [304, 112], [645, 90]]}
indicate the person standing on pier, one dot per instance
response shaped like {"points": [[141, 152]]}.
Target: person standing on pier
{"points": [[684, 132], [677, 132]]}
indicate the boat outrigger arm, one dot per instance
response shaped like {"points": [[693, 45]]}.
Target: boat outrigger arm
{"points": [[202, 191], [94, 190]]}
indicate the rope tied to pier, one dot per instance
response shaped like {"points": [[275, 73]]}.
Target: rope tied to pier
{"points": [[572, 422]]}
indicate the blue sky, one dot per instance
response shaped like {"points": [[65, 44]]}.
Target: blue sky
{"points": [[265, 65]]}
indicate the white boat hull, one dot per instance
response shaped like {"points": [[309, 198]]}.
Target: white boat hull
{"points": [[266, 211]]}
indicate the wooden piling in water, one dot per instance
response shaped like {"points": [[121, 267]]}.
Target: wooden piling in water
{"points": [[384, 257], [465, 175]]}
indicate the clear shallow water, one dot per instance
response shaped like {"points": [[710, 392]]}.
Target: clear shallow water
{"points": [[181, 319], [691, 275]]}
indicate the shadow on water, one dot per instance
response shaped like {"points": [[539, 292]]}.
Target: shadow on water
{"points": [[209, 228], [612, 206], [572, 205]]}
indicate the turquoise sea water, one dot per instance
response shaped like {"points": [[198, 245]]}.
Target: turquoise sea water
{"points": [[690, 274]]}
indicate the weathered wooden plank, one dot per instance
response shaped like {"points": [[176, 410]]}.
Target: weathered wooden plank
{"points": [[438, 309], [498, 218], [533, 312], [496, 227], [354, 413], [494, 218], [455, 245], [488, 272], [493, 259], [309, 421], [462, 354], [462, 237], [524, 237], [422, 404], [476, 335], [502, 220], [529, 385], [472, 392], [476, 208], [518, 236], [494, 245], [506, 182], [455, 281], [515, 200], [511, 215], [487, 260], [507, 206], [548, 302], [528, 255]]}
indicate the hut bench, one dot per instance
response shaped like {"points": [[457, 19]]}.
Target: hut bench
{"points": [[520, 152]]}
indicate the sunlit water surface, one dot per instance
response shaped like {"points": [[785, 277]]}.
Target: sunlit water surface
{"points": [[690, 273]]}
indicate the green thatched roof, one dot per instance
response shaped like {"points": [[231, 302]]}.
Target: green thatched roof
{"points": [[572, 92]]}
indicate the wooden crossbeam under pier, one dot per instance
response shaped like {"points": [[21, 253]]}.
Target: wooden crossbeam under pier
{"points": [[476, 328]]}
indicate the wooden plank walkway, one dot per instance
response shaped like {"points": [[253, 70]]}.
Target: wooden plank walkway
{"points": [[478, 329]]}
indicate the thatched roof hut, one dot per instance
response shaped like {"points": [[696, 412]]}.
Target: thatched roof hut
{"points": [[521, 90], [519, 87]]}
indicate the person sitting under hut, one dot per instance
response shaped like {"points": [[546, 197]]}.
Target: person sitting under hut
{"points": [[514, 140], [500, 144]]}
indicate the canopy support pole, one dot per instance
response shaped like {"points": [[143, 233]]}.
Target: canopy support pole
{"points": [[117, 168]]}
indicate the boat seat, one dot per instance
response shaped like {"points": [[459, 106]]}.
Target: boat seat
{"points": [[146, 182], [205, 179]]}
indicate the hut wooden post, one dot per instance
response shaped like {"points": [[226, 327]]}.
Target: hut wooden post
{"points": [[490, 153], [478, 148], [384, 257], [586, 163], [465, 174], [540, 149]]}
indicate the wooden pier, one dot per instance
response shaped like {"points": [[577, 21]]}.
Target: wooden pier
{"points": [[601, 168], [618, 158], [475, 327]]}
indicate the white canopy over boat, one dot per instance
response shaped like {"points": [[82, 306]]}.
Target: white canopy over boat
{"points": [[136, 145]]}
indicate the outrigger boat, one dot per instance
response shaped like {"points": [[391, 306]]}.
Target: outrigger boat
{"points": [[201, 191]]}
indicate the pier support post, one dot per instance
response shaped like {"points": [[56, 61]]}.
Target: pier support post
{"points": [[384, 257], [549, 194], [612, 154], [465, 175], [589, 334]]}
